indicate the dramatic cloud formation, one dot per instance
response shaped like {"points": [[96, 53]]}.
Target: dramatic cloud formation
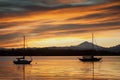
{"points": [[49, 22]]}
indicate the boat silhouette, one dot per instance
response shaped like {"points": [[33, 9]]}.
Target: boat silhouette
{"points": [[90, 58], [22, 60]]}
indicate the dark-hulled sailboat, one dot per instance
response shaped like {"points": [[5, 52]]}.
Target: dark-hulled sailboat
{"points": [[90, 58], [22, 60]]}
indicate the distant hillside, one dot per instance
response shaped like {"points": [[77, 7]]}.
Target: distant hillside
{"points": [[115, 48], [87, 46], [83, 46], [2, 48]]}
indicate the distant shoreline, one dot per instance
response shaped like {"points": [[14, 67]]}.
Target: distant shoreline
{"points": [[56, 52], [67, 55]]}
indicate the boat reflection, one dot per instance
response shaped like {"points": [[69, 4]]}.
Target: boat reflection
{"points": [[57, 68]]}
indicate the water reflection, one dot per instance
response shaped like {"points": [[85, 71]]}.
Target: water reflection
{"points": [[60, 68]]}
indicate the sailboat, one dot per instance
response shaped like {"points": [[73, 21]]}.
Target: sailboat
{"points": [[22, 60], [90, 58]]}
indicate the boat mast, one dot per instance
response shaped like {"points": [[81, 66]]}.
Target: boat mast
{"points": [[24, 47], [92, 42], [92, 55]]}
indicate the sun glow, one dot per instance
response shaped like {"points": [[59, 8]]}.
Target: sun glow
{"points": [[51, 42], [62, 25]]}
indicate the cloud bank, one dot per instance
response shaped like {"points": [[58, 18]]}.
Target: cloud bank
{"points": [[55, 18]]}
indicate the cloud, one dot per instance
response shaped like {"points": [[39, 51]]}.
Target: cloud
{"points": [[75, 28], [26, 5], [56, 18]]}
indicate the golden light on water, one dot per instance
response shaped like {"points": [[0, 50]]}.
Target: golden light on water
{"points": [[71, 68], [60, 67]]}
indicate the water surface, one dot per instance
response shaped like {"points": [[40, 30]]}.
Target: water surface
{"points": [[60, 68]]}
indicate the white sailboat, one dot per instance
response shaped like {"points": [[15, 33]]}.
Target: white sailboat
{"points": [[90, 58], [22, 60]]}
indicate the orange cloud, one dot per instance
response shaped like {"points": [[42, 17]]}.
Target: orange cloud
{"points": [[55, 23]]}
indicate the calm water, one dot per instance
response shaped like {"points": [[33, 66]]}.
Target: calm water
{"points": [[60, 68]]}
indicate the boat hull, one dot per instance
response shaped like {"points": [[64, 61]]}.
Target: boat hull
{"points": [[90, 60], [22, 62]]}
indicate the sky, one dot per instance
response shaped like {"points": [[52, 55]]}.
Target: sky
{"points": [[47, 23]]}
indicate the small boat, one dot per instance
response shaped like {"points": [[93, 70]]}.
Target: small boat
{"points": [[22, 60], [90, 58]]}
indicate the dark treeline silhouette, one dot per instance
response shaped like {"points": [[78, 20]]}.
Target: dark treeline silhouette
{"points": [[55, 52]]}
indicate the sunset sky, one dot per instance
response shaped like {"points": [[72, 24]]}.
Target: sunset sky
{"points": [[47, 23]]}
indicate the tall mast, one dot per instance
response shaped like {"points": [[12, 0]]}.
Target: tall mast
{"points": [[24, 46], [93, 41], [93, 52], [92, 44]]}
